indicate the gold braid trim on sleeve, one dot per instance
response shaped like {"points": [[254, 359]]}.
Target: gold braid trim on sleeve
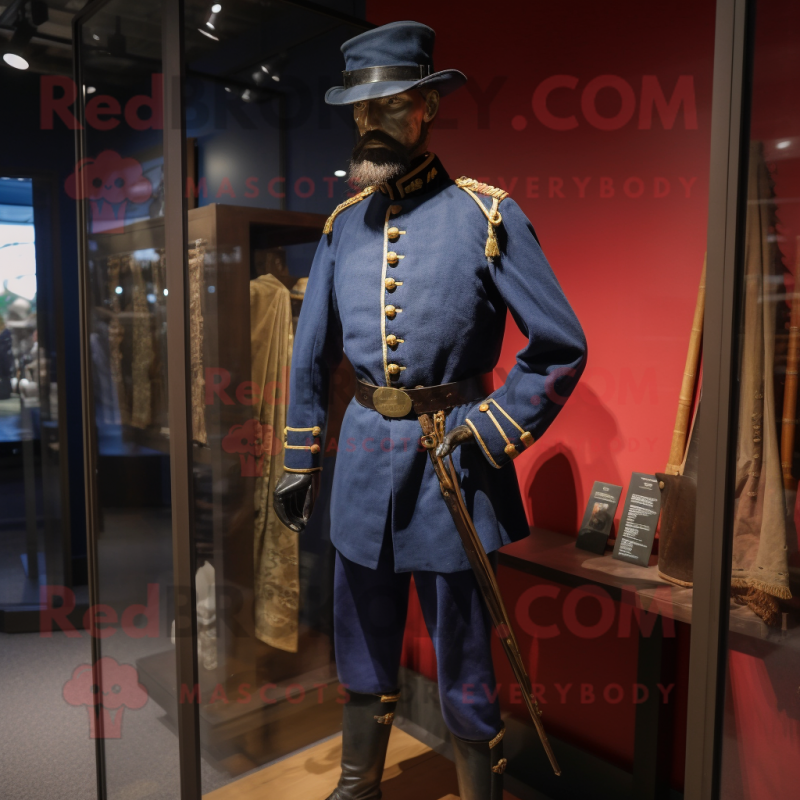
{"points": [[473, 188], [342, 206]]}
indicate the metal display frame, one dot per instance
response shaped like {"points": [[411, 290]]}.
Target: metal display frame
{"points": [[717, 449], [179, 395], [732, 60]]}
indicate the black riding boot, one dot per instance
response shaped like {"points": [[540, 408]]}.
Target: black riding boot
{"points": [[366, 727], [480, 767]]}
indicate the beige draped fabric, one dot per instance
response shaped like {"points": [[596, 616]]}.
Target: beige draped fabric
{"points": [[115, 337], [143, 351], [760, 565], [276, 551], [197, 255], [136, 368]]}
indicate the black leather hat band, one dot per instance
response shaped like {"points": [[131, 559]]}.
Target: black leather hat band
{"points": [[357, 77]]}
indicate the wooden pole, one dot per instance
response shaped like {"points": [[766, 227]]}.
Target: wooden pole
{"points": [[687, 386], [789, 420]]}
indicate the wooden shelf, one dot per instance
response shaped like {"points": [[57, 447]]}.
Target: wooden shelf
{"points": [[554, 557]]}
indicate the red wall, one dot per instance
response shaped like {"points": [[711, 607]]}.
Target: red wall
{"points": [[627, 247], [629, 265]]}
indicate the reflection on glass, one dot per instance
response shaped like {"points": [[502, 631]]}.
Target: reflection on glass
{"points": [[264, 152], [21, 559], [120, 182], [762, 710], [35, 542]]}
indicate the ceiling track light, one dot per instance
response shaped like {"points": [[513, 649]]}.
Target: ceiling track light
{"points": [[273, 67], [117, 44], [17, 50], [16, 61], [23, 33], [211, 22]]}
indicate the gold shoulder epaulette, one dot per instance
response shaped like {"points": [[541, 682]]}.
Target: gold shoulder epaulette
{"points": [[481, 188], [473, 188], [342, 206]]}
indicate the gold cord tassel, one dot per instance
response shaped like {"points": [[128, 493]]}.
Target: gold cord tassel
{"points": [[492, 249]]}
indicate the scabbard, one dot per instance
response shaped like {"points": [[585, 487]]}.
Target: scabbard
{"points": [[433, 433]]}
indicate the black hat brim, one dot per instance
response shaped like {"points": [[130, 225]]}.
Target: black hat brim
{"points": [[446, 81]]}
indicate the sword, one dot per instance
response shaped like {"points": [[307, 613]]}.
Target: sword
{"points": [[433, 433]]}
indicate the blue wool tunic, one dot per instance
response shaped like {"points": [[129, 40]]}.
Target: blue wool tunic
{"points": [[403, 286]]}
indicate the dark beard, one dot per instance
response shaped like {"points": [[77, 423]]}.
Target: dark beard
{"points": [[372, 166]]}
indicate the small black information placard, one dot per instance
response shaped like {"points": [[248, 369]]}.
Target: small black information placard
{"points": [[639, 519], [599, 517]]}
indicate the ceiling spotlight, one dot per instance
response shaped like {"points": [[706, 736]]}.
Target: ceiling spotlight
{"points": [[340, 173], [16, 61], [90, 89], [16, 54], [216, 8], [95, 37], [209, 35], [783, 145], [275, 66]]}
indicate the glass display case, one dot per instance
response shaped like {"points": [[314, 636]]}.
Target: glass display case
{"points": [[208, 165]]}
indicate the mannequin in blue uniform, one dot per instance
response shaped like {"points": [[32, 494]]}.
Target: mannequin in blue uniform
{"points": [[413, 279]]}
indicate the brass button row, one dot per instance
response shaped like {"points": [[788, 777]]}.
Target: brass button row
{"points": [[392, 259]]}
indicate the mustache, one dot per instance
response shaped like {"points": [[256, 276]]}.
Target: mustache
{"points": [[389, 142]]}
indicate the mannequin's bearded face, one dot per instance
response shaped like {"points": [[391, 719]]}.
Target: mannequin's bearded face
{"points": [[393, 130]]}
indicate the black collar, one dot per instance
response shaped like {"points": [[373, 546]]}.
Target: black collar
{"points": [[425, 175]]}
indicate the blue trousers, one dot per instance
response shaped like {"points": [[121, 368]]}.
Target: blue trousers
{"points": [[369, 620]]}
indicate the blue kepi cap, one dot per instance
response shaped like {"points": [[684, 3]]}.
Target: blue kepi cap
{"points": [[388, 60]]}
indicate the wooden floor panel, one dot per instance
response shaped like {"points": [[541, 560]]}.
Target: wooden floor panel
{"points": [[412, 770]]}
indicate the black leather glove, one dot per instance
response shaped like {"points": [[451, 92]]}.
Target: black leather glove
{"points": [[295, 496], [457, 436]]}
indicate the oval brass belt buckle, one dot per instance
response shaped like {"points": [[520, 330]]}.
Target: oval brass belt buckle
{"points": [[391, 402]]}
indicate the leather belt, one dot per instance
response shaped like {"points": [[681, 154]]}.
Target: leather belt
{"points": [[394, 402]]}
